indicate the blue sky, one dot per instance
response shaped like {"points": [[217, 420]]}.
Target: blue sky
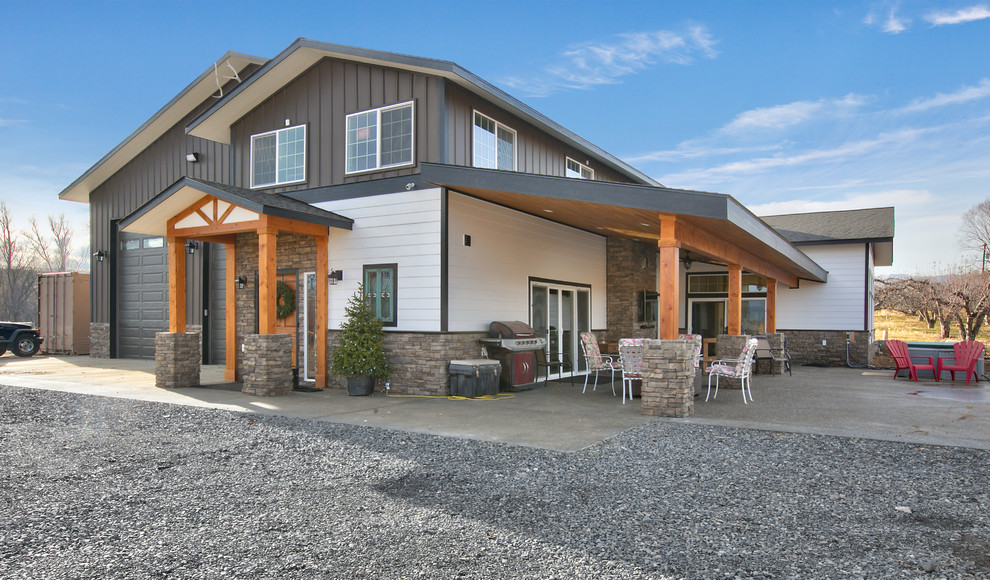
{"points": [[787, 106]]}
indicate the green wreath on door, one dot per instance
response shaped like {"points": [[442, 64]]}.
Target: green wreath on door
{"points": [[285, 300]]}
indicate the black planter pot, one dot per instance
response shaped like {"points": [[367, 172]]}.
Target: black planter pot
{"points": [[360, 386]]}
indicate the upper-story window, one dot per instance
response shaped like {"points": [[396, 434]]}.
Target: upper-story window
{"points": [[380, 138], [278, 157], [494, 144], [579, 170]]}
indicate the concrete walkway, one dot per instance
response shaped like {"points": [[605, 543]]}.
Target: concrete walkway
{"points": [[830, 401]]}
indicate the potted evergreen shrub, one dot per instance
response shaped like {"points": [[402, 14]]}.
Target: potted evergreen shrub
{"points": [[360, 351]]}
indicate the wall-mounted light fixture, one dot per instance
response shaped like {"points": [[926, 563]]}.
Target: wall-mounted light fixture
{"points": [[191, 247], [241, 281], [335, 276], [192, 157], [100, 255], [410, 186]]}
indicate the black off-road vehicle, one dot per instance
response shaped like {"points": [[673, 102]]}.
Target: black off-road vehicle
{"points": [[19, 338]]}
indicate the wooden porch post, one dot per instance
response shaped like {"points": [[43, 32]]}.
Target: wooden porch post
{"points": [[669, 273], [734, 314], [266, 279], [322, 316], [230, 332], [771, 305], [176, 284]]}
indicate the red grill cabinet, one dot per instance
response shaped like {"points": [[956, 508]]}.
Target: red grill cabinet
{"points": [[514, 345]]}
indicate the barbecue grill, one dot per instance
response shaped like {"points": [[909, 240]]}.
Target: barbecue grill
{"points": [[513, 344]]}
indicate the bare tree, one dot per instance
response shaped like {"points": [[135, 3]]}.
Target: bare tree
{"points": [[17, 276], [914, 296], [54, 253], [967, 300], [975, 230]]}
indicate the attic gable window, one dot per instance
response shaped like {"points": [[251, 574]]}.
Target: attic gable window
{"points": [[494, 144], [579, 170], [278, 157], [380, 138]]}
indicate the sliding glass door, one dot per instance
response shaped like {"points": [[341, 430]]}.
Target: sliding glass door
{"points": [[559, 312]]}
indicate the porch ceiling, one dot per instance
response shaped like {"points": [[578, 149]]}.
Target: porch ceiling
{"points": [[631, 211]]}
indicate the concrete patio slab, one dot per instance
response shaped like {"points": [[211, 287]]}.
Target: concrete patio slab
{"points": [[844, 402]]}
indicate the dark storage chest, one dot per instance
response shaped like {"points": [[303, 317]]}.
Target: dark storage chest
{"points": [[474, 377]]}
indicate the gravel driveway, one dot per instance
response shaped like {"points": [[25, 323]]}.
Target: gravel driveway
{"points": [[94, 487]]}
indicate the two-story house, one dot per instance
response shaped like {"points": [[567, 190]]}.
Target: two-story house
{"points": [[452, 203]]}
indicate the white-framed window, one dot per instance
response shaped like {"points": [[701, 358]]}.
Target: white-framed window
{"points": [[380, 138], [494, 144], [578, 170], [278, 157]]}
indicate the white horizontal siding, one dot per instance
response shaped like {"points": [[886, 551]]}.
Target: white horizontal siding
{"points": [[490, 279], [838, 304], [402, 228]]}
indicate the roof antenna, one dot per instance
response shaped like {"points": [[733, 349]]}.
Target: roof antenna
{"points": [[216, 77]]}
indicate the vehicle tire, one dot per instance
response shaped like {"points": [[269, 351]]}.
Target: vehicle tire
{"points": [[24, 346]]}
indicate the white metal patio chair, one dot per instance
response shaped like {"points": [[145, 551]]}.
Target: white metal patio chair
{"points": [[740, 368], [596, 361], [631, 355]]}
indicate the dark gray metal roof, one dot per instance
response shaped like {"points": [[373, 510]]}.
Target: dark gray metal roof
{"points": [[272, 204], [833, 227]]}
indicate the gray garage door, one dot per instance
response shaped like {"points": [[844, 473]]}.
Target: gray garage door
{"points": [[142, 295]]}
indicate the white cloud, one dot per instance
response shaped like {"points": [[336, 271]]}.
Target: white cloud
{"points": [[591, 64], [694, 150], [941, 99], [845, 151], [960, 16], [12, 122], [785, 116]]}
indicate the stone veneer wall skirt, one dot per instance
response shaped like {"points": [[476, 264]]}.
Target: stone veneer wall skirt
{"points": [[668, 378], [806, 347], [177, 358], [419, 360], [267, 362]]}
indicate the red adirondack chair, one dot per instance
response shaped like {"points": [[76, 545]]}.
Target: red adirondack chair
{"points": [[902, 358], [966, 355]]}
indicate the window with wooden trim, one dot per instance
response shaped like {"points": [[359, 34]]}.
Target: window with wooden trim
{"points": [[278, 157], [379, 291], [494, 144], [380, 138], [578, 170]]}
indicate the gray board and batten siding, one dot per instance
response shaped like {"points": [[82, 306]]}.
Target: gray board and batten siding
{"points": [[324, 95], [321, 98]]}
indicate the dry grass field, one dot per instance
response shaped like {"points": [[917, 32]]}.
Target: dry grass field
{"points": [[904, 327]]}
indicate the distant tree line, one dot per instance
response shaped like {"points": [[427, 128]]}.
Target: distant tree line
{"points": [[26, 253], [956, 296]]}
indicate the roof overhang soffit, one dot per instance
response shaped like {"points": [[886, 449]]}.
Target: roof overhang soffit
{"points": [[677, 233]]}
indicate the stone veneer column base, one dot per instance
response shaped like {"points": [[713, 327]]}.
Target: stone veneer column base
{"points": [[668, 378], [99, 340], [177, 359], [267, 360]]}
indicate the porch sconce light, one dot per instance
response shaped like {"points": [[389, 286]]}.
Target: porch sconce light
{"points": [[241, 281], [192, 157], [191, 247], [335, 276], [100, 255], [410, 186], [687, 263]]}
